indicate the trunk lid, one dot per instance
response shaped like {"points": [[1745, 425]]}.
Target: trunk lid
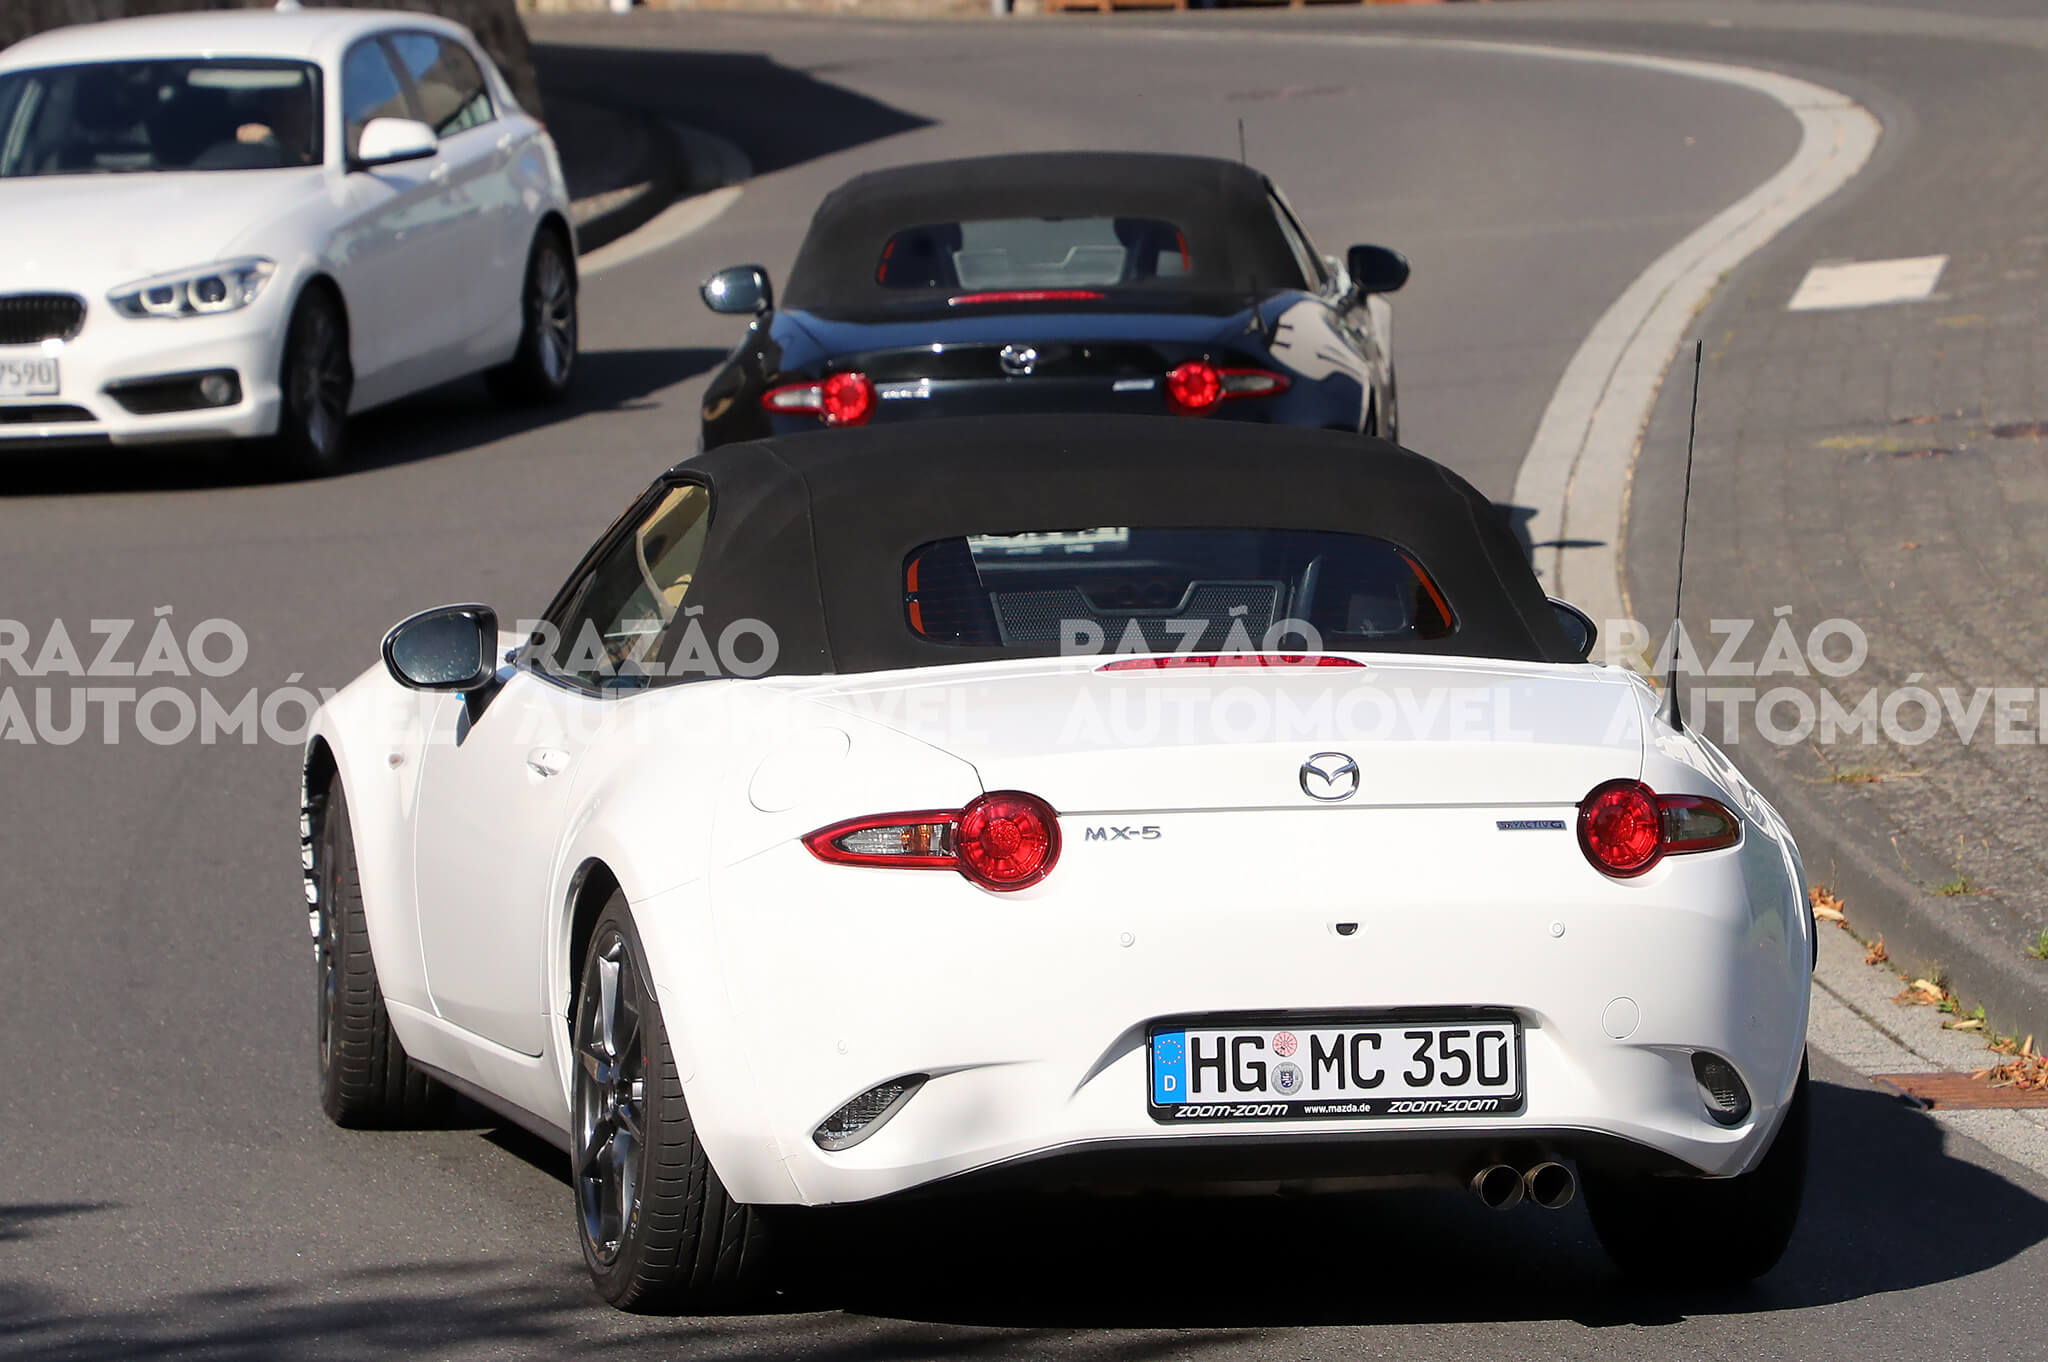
{"points": [[993, 359], [1423, 732]]}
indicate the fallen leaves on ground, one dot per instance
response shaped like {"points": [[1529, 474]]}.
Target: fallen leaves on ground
{"points": [[1923, 993], [1827, 906], [2022, 1069]]}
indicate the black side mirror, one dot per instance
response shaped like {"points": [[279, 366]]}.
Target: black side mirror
{"points": [[1578, 626], [1376, 269], [740, 289], [454, 647]]}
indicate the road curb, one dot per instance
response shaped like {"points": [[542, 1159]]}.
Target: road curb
{"points": [[660, 177], [680, 162], [717, 172], [1885, 900]]}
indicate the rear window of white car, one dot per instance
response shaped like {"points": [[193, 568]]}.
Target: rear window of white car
{"points": [[126, 117], [1120, 588]]}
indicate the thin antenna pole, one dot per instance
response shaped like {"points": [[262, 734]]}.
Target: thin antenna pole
{"points": [[1699, 349], [1242, 159]]}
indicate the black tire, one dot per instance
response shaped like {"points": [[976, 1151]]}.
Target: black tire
{"points": [[316, 380], [366, 1081], [1707, 1232], [542, 369], [659, 1231]]}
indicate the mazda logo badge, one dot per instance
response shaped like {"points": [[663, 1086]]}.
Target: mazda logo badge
{"points": [[1329, 776], [1018, 360]]}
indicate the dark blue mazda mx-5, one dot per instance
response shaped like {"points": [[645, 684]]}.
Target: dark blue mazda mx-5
{"points": [[1058, 281]]}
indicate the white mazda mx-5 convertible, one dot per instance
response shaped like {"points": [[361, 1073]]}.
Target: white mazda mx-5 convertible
{"points": [[1084, 801]]}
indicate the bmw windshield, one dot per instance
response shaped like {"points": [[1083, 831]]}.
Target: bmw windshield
{"points": [[170, 115]]}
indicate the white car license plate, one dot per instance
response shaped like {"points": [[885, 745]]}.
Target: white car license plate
{"points": [[1289, 1069], [28, 377]]}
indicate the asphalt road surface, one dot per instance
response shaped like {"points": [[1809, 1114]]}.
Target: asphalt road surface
{"points": [[170, 1187]]}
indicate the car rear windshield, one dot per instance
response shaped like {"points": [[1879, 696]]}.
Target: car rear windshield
{"points": [[185, 114], [1126, 589], [998, 254]]}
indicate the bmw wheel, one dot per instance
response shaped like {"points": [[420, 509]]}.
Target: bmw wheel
{"points": [[660, 1233], [1690, 1232], [541, 369], [365, 1078], [316, 381]]}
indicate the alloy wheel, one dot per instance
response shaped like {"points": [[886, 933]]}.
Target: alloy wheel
{"points": [[554, 314], [320, 379], [610, 1095], [327, 936]]}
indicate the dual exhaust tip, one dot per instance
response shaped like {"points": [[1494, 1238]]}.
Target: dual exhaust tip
{"points": [[1501, 1186]]}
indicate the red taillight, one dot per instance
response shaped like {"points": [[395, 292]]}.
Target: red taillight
{"points": [[1140, 664], [839, 400], [1001, 841], [1196, 387], [1026, 295], [1007, 841], [849, 399], [1618, 828], [1625, 827]]}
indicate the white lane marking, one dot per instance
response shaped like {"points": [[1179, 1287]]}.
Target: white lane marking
{"points": [[721, 171], [667, 227], [1867, 283], [1576, 474], [1574, 478]]}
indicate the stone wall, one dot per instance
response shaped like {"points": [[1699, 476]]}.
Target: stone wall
{"points": [[495, 23]]}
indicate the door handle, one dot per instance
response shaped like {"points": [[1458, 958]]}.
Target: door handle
{"points": [[438, 173], [547, 761]]}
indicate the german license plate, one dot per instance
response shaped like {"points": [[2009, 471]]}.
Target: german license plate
{"points": [[1290, 1070], [28, 377]]}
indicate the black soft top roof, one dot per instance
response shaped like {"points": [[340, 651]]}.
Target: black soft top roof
{"points": [[1234, 243], [809, 533]]}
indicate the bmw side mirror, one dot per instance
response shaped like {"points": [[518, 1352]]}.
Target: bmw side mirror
{"points": [[1578, 627], [1376, 269], [454, 647], [738, 289], [387, 141]]}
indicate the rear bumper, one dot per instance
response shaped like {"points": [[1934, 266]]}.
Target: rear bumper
{"points": [[809, 984]]}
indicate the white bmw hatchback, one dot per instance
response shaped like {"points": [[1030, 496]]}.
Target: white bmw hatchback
{"points": [[966, 801], [253, 224]]}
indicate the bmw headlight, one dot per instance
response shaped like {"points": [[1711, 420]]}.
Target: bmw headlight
{"points": [[200, 291]]}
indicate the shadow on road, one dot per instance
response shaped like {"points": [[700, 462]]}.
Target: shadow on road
{"points": [[1888, 1210], [445, 420], [1879, 1167], [779, 116]]}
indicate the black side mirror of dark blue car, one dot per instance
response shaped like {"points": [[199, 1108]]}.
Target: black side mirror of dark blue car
{"points": [[1376, 269], [741, 289]]}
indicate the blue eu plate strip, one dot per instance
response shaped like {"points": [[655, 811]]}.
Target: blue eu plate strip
{"points": [[1169, 1068]]}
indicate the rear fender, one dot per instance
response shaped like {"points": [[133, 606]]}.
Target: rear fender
{"points": [[660, 823], [1781, 922]]}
